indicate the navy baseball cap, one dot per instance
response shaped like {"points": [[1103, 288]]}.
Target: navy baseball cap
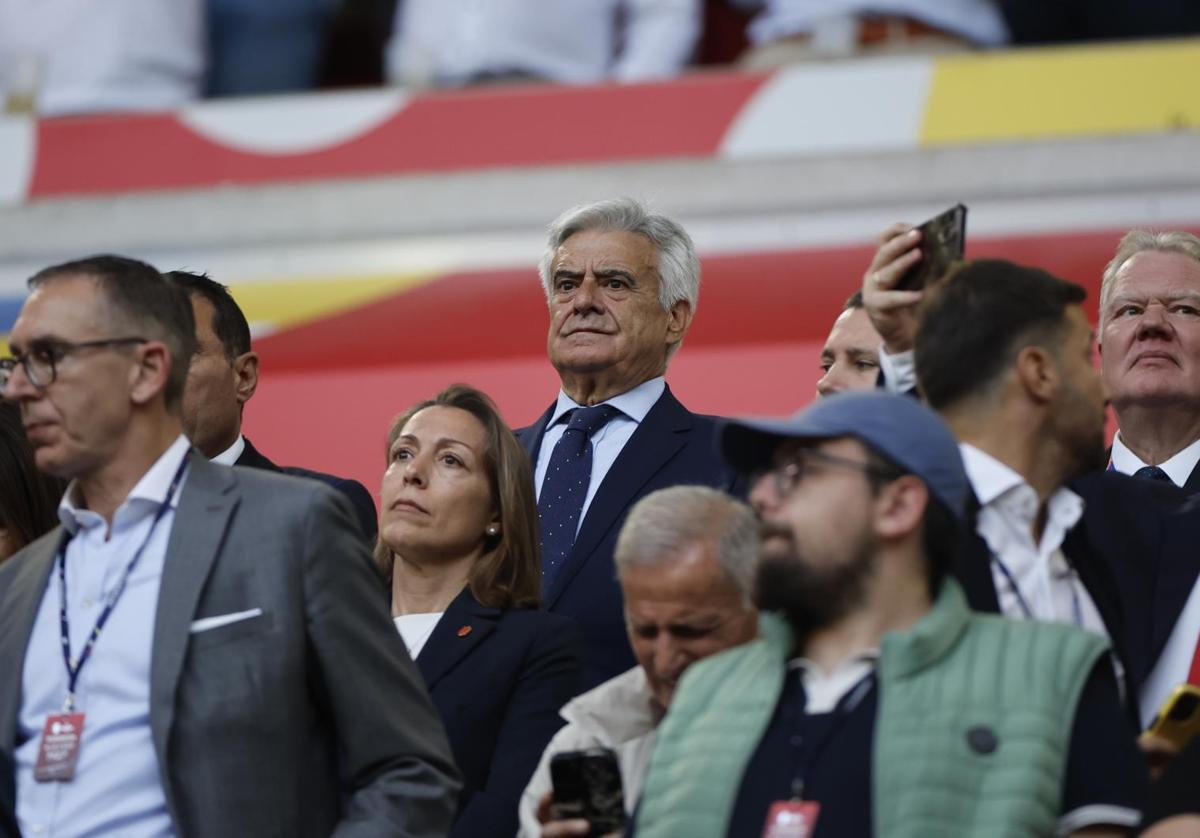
{"points": [[900, 428]]}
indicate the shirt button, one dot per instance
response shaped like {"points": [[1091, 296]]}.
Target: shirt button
{"points": [[88, 603], [38, 829]]}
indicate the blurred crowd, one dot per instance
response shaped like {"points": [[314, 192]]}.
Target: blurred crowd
{"points": [[76, 56], [934, 602]]}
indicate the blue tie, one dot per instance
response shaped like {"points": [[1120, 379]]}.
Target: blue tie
{"points": [[566, 484], [1152, 473]]}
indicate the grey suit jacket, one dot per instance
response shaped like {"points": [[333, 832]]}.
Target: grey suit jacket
{"points": [[307, 720]]}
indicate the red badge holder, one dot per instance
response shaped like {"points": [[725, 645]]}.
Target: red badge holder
{"points": [[58, 751], [791, 819]]}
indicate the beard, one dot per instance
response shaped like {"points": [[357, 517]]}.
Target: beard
{"points": [[1086, 451], [811, 597]]}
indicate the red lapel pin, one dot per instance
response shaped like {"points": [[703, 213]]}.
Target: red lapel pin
{"points": [[464, 631]]}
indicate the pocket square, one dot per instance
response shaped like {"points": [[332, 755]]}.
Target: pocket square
{"points": [[210, 623]]}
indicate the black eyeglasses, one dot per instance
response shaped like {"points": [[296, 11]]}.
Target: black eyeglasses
{"points": [[41, 361], [786, 475]]}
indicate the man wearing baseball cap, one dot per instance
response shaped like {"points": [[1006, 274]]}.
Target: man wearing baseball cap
{"points": [[875, 701]]}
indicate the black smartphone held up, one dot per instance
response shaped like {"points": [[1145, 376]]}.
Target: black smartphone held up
{"points": [[943, 240], [587, 784]]}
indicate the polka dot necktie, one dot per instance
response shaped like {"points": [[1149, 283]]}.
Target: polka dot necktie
{"points": [[566, 483], [1152, 473]]}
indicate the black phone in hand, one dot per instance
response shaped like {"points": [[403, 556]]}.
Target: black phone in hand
{"points": [[587, 784], [943, 241]]}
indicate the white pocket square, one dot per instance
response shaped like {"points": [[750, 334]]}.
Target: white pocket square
{"points": [[210, 623]]}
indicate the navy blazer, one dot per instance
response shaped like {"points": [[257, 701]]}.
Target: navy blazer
{"points": [[670, 447], [1133, 552], [360, 498], [498, 677]]}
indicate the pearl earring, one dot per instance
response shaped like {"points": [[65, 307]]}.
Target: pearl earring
{"points": [[493, 530]]}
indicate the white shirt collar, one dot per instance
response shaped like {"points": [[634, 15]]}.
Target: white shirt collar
{"points": [[152, 487], [1179, 468], [634, 404], [993, 482], [230, 455]]}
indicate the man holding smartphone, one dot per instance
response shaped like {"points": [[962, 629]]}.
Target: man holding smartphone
{"points": [[1054, 537]]}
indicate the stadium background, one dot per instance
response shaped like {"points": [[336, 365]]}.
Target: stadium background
{"points": [[383, 244]]}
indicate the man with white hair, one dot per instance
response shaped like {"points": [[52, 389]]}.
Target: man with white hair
{"points": [[622, 286], [1150, 359], [685, 559], [1150, 354]]}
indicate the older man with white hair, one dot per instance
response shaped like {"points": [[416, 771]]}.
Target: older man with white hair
{"points": [[1150, 354], [622, 286], [686, 559], [1150, 357]]}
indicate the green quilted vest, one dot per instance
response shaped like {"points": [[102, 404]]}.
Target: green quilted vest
{"points": [[971, 733]]}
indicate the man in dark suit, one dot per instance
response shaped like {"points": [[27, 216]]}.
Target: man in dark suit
{"points": [[222, 377], [622, 286], [219, 635], [1004, 353], [1150, 359]]}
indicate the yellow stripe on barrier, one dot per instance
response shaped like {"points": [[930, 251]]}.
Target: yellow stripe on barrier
{"points": [[1057, 92], [289, 303]]}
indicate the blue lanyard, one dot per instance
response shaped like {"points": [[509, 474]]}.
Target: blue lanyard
{"points": [[1076, 610], [74, 667]]}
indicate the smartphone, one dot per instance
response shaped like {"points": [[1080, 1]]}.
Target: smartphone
{"points": [[1178, 719], [587, 784], [943, 240]]}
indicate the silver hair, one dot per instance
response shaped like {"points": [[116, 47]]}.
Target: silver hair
{"points": [[664, 524], [1138, 241], [678, 265]]}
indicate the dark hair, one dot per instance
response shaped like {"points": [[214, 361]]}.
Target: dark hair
{"points": [[509, 573], [137, 292], [972, 325], [855, 300], [942, 530], [228, 322], [28, 498]]}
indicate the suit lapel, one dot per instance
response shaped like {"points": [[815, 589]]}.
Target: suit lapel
{"points": [[464, 626], [206, 501], [657, 439], [973, 564], [1193, 481], [531, 437], [18, 610]]}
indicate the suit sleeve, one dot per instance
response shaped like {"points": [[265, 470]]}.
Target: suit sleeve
{"points": [[549, 680], [396, 762]]}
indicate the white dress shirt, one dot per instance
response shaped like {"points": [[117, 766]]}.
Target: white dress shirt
{"points": [[117, 789], [415, 630], [573, 41], [1045, 581], [606, 442], [1178, 468], [230, 455], [1175, 662], [979, 21], [118, 55]]}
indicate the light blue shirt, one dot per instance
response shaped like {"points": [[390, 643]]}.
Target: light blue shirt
{"points": [[606, 442], [117, 789]]}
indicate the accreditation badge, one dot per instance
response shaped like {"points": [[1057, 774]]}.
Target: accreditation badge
{"points": [[791, 819], [58, 751]]}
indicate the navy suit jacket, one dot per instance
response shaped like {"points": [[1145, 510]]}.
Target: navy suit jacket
{"points": [[670, 447], [360, 498], [498, 677], [1134, 551]]}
